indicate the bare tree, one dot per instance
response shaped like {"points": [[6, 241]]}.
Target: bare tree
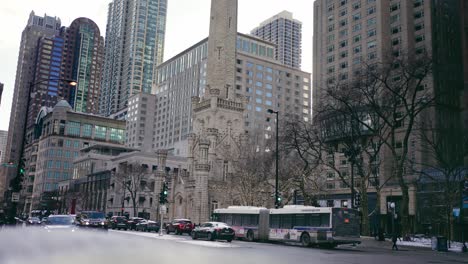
{"points": [[133, 179], [442, 165]]}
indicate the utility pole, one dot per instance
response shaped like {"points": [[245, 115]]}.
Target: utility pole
{"points": [[162, 205], [277, 198]]}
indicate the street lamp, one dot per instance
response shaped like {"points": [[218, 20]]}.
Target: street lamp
{"points": [[392, 207], [277, 199], [16, 182]]}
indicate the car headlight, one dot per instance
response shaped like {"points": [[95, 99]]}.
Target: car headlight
{"points": [[102, 223], [86, 223]]}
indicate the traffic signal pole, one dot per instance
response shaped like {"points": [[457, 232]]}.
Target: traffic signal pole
{"points": [[162, 205]]}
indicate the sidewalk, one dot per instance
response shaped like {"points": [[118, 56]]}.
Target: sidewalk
{"points": [[419, 243]]}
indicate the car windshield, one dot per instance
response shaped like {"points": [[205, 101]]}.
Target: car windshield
{"points": [[94, 215], [60, 220]]}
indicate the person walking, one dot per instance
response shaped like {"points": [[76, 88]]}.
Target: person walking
{"points": [[394, 240]]}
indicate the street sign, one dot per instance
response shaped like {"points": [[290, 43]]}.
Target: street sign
{"points": [[162, 209], [15, 197]]}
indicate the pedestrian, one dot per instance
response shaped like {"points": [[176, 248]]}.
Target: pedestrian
{"points": [[394, 240]]}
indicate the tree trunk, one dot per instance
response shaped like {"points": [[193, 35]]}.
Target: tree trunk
{"points": [[135, 210], [405, 221], [364, 209]]}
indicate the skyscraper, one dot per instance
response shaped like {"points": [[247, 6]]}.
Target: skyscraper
{"points": [[50, 55], [286, 32], [1, 92], [37, 27], [134, 47], [3, 142], [350, 34], [83, 59]]}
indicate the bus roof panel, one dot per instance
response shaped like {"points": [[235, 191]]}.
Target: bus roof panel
{"points": [[297, 209], [240, 210]]}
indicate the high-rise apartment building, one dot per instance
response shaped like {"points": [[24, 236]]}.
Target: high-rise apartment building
{"points": [[134, 47], [286, 33], [265, 83], [37, 28], [348, 33]]}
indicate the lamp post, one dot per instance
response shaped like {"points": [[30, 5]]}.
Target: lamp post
{"points": [[392, 207], [277, 158], [15, 183]]}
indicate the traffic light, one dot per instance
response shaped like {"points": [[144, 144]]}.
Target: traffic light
{"points": [[357, 199], [163, 194]]}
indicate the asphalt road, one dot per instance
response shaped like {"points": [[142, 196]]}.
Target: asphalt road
{"points": [[21, 246]]}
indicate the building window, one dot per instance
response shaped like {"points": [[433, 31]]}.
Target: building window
{"points": [[343, 12], [371, 21], [371, 32], [371, 10], [344, 33], [394, 7], [357, 38], [395, 41], [331, 48], [419, 26], [343, 44], [331, 58], [344, 54], [357, 27], [357, 49], [396, 30], [330, 185], [418, 3], [419, 38], [394, 18], [371, 44], [343, 22], [357, 16], [73, 129], [100, 132], [87, 130], [357, 5], [419, 14], [372, 55]]}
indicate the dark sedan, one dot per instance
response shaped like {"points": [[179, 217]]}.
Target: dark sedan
{"points": [[214, 231], [148, 226], [133, 221], [119, 222], [92, 219]]}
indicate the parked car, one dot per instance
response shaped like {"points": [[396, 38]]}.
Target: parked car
{"points": [[133, 221], [148, 226], [92, 219], [118, 222], [34, 221], [60, 223], [180, 226], [214, 231]]}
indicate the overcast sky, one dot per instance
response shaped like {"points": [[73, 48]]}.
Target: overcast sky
{"points": [[187, 23]]}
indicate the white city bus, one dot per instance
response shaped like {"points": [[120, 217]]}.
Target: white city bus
{"points": [[243, 219], [323, 226]]}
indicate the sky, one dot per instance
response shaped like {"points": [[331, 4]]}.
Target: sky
{"points": [[187, 23]]}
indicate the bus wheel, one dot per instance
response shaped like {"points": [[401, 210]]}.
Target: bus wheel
{"points": [[250, 236], [305, 240]]}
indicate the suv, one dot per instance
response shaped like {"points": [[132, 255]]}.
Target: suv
{"points": [[92, 219], [119, 222], [180, 226]]}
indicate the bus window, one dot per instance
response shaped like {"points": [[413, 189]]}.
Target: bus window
{"points": [[324, 220], [228, 219], [236, 220], [286, 221], [299, 220], [313, 220], [274, 221]]}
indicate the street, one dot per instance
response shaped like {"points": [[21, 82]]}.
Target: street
{"points": [[33, 245]]}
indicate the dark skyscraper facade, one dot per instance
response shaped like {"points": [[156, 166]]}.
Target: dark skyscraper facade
{"points": [[134, 47], [83, 58], [49, 56], [37, 29]]}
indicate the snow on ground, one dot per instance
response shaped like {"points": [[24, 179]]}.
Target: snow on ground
{"points": [[427, 243], [182, 239]]}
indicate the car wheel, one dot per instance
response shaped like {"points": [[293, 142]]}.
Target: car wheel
{"points": [[210, 237], [250, 236], [305, 240], [194, 236], [229, 240], [167, 231]]}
